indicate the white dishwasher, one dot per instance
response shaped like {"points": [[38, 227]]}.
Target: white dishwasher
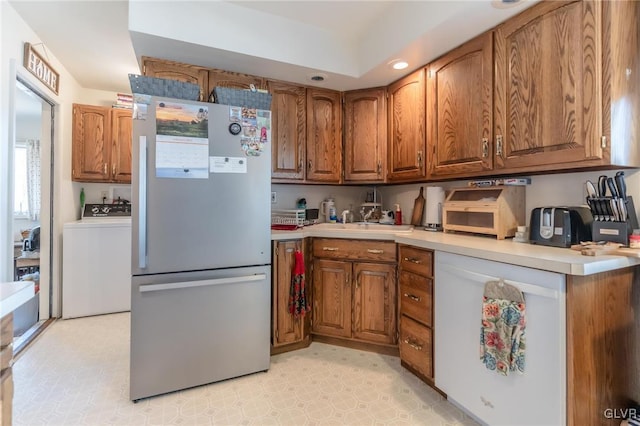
{"points": [[536, 397], [96, 267]]}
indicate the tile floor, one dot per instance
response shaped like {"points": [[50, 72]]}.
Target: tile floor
{"points": [[77, 373]]}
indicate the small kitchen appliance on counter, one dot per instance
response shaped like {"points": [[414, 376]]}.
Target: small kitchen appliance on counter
{"points": [[560, 226]]}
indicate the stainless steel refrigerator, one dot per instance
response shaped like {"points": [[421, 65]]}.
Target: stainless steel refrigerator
{"points": [[200, 294]]}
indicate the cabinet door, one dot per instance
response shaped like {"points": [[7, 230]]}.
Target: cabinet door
{"points": [[324, 135], [91, 148], [286, 328], [178, 71], [374, 307], [288, 130], [546, 77], [365, 138], [406, 152], [234, 80], [121, 134], [332, 298], [460, 110]]}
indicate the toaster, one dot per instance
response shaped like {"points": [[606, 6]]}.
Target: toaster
{"points": [[560, 226]]}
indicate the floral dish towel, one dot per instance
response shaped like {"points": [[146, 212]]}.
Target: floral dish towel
{"points": [[502, 335]]}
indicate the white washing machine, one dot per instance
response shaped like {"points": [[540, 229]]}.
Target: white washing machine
{"points": [[96, 263]]}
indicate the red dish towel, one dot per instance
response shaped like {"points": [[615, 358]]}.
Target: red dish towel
{"points": [[298, 305]]}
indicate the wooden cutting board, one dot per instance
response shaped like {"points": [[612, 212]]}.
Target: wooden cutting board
{"points": [[418, 209], [614, 249]]}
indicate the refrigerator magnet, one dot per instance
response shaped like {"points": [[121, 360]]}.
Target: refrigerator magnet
{"points": [[235, 128]]}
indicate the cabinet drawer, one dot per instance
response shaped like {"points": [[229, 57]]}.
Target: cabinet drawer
{"points": [[416, 296], [361, 250], [416, 260], [415, 345], [6, 330]]}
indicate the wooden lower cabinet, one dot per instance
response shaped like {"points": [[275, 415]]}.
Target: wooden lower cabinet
{"points": [[354, 300], [416, 310], [287, 331], [374, 310], [6, 376], [332, 297]]}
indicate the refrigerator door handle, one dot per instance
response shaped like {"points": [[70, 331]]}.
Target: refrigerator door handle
{"points": [[202, 283], [142, 206]]}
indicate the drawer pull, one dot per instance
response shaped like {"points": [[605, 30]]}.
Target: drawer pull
{"points": [[330, 248], [413, 260], [412, 297], [413, 345], [375, 251]]}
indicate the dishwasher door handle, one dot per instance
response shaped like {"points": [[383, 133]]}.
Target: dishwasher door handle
{"points": [[482, 279], [144, 288]]}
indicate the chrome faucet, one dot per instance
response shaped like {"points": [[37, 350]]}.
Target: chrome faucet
{"points": [[344, 215], [366, 216]]}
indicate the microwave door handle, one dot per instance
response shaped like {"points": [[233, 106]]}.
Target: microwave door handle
{"points": [[142, 205]]}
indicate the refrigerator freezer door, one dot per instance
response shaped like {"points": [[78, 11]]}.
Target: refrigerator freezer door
{"points": [[190, 329], [186, 224]]}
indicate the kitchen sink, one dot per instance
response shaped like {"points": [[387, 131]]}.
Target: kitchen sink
{"points": [[365, 227]]}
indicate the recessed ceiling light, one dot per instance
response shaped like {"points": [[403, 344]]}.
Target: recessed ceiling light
{"points": [[317, 77], [398, 64]]}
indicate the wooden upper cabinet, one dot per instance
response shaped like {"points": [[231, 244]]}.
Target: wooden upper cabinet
{"points": [[324, 136], [288, 130], [406, 143], [233, 80], [101, 144], [460, 110], [365, 135], [546, 108], [91, 147], [177, 71], [121, 135]]}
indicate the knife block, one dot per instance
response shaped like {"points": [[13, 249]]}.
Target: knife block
{"points": [[617, 232]]}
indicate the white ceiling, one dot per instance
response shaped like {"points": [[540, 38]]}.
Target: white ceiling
{"points": [[350, 42]]}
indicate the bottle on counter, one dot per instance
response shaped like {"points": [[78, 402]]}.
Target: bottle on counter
{"points": [[398, 215]]}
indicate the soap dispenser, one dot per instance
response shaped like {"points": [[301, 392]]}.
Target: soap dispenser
{"points": [[398, 215]]}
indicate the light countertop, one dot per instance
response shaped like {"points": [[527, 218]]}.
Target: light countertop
{"points": [[562, 260], [14, 294]]}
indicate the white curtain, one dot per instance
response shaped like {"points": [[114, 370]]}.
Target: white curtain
{"points": [[33, 178]]}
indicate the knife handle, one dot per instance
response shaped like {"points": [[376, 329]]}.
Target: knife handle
{"points": [[612, 187], [622, 186], [602, 185]]}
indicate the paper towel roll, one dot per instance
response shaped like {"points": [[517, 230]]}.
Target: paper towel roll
{"points": [[433, 208]]}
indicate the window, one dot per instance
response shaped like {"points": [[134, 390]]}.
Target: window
{"points": [[20, 196]]}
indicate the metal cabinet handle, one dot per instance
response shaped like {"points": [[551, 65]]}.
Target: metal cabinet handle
{"points": [[375, 251], [485, 147], [358, 279], [309, 165], [379, 167], [499, 145], [412, 260], [330, 248], [113, 170], [300, 166], [413, 345], [142, 204], [144, 288], [420, 159], [104, 168], [412, 297]]}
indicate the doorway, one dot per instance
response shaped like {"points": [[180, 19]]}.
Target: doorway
{"points": [[32, 208]]}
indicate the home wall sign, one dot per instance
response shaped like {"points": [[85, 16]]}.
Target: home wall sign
{"points": [[39, 67]]}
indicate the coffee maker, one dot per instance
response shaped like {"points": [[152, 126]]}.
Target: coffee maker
{"points": [[32, 242]]}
